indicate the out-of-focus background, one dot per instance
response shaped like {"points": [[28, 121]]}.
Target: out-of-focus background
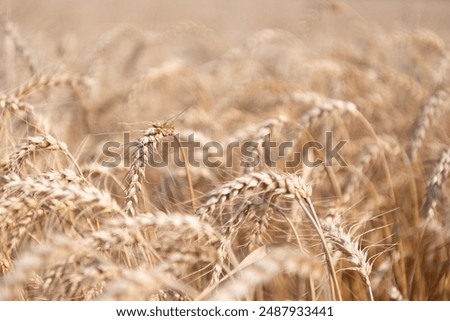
{"points": [[233, 19]]}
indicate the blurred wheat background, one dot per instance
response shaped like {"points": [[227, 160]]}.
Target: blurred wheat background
{"points": [[75, 75]]}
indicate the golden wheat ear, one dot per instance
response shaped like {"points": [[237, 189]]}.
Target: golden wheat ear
{"points": [[145, 145], [435, 185]]}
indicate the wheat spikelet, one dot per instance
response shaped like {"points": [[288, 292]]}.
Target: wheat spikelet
{"points": [[14, 105], [20, 46], [144, 146], [395, 294], [105, 47], [190, 226], [423, 122], [264, 182], [78, 277], [434, 187], [32, 145], [257, 40], [43, 82], [257, 131], [357, 257], [320, 106], [33, 260], [361, 166], [22, 110], [40, 187], [167, 294], [324, 109], [32, 201], [277, 183]]}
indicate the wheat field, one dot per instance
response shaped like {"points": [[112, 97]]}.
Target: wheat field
{"points": [[80, 80]]}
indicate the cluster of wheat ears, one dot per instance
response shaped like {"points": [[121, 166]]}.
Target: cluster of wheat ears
{"points": [[374, 229]]}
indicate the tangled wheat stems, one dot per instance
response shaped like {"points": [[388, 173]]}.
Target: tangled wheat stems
{"points": [[282, 184]]}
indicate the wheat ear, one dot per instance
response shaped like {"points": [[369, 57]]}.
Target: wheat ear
{"points": [[43, 82], [20, 46], [145, 145], [357, 257], [434, 187], [278, 184], [34, 144], [428, 112]]}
